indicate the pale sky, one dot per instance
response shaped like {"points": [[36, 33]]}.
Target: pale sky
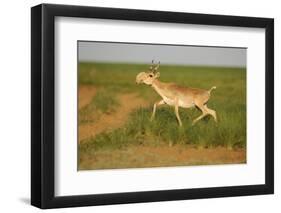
{"points": [[166, 54]]}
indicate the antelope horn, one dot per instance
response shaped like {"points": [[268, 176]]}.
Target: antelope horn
{"points": [[151, 66], [157, 66]]}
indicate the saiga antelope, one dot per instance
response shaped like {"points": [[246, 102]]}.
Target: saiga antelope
{"points": [[177, 96]]}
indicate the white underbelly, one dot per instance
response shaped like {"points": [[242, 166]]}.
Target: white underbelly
{"points": [[184, 104], [169, 101]]}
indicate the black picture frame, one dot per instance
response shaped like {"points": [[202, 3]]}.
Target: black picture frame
{"points": [[43, 105]]}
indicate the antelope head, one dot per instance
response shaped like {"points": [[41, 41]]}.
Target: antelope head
{"points": [[150, 75]]}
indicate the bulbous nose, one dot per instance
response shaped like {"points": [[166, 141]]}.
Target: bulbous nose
{"points": [[140, 77]]}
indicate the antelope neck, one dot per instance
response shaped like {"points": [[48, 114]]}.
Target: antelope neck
{"points": [[157, 86]]}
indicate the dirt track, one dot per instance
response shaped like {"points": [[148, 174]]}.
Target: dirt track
{"points": [[86, 93], [107, 122]]}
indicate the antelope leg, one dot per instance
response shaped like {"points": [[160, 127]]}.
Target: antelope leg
{"points": [[154, 108], [204, 113], [177, 112], [211, 112]]}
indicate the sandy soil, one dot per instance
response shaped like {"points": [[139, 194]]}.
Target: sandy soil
{"points": [[149, 156]]}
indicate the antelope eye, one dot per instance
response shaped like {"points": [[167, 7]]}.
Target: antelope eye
{"points": [[150, 75]]}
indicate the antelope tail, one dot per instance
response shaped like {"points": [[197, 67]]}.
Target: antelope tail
{"points": [[210, 90]]}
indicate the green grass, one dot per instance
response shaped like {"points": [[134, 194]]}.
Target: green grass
{"points": [[229, 101]]}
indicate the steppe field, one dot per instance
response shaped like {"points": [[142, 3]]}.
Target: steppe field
{"points": [[114, 127]]}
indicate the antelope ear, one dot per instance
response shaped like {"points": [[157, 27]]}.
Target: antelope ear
{"points": [[157, 75]]}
